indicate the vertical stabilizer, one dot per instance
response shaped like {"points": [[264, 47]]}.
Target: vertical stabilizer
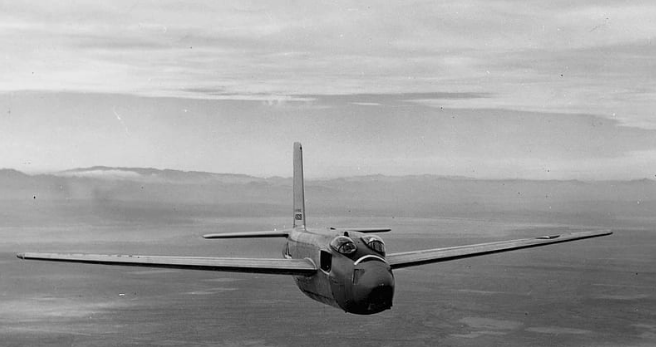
{"points": [[299, 191]]}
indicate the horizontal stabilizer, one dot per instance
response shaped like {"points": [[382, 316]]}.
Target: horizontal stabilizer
{"points": [[405, 259], [298, 267], [248, 234], [365, 230]]}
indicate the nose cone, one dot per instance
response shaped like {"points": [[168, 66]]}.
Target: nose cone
{"points": [[373, 288]]}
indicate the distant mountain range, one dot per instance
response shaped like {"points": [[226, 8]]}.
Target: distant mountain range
{"points": [[179, 176], [132, 189]]}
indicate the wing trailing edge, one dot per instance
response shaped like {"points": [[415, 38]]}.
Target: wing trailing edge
{"points": [[414, 258], [297, 267]]}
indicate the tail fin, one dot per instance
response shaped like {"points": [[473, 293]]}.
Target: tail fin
{"points": [[299, 191]]}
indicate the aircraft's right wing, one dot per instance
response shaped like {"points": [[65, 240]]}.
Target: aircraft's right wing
{"points": [[405, 259], [365, 230], [298, 267]]}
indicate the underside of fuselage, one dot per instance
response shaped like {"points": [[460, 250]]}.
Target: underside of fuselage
{"points": [[356, 279]]}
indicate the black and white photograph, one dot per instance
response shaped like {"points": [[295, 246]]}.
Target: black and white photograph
{"points": [[328, 173]]}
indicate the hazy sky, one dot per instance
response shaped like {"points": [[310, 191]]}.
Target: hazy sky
{"points": [[494, 89]]}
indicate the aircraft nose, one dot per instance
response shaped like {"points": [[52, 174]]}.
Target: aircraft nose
{"points": [[373, 287]]}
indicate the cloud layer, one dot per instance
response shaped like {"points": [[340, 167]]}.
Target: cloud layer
{"points": [[490, 89], [558, 56]]}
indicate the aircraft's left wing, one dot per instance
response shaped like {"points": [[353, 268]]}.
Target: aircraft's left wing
{"points": [[405, 259], [298, 267], [248, 234]]}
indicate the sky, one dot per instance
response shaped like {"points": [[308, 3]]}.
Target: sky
{"points": [[484, 89]]}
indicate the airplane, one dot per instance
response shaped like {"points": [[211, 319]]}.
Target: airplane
{"points": [[346, 268]]}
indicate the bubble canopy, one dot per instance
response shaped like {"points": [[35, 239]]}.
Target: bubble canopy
{"points": [[375, 243], [343, 245]]}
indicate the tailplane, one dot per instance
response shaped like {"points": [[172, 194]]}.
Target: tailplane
{"points": [[299, 190]]}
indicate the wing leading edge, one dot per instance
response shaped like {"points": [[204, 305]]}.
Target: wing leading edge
{"points": [[248, 234], [364, 230], [297, 267], [413, 258]]}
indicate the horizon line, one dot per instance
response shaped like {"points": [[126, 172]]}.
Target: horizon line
{"points": [[310, 178]]}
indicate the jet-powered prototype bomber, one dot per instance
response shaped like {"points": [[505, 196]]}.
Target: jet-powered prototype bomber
{"points": [[346, 268]]}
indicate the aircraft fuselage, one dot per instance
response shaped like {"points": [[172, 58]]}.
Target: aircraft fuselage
{"points": [[358, 280]]}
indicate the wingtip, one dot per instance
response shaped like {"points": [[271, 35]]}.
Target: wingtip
{"points": [[217, 236], [20, 255], [603, 232], [596, 233], [214, 236]]}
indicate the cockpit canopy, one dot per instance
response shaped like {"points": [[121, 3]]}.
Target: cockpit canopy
{"points": [[343, 245], [375, 243]]}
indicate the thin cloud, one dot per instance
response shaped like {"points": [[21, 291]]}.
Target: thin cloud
{"points": [[388, 99], [365, 103]]}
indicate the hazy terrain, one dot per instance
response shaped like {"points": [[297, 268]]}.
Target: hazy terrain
{"points": [[591, 293]]}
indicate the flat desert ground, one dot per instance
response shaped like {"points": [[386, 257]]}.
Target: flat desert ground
{"points": [[598, 292]]}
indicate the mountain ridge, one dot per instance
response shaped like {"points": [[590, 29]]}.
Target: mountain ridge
{"points": [[182, 176], [126, 195]]}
